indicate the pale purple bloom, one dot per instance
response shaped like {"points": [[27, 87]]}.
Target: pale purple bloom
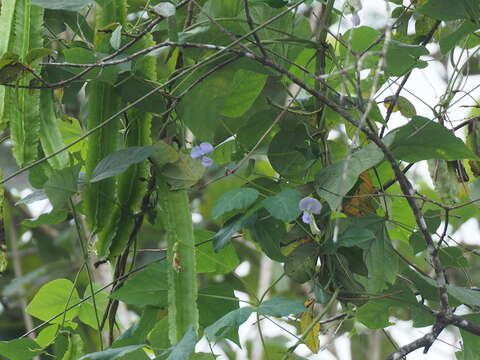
{"points": [[201, 151], [306, 217], [206, 161], [309, 206], [355, 19]]}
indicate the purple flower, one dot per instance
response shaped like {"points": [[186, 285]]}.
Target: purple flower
{"points": [[201, 151], [355, 19], [309, 206], [206, 161]]}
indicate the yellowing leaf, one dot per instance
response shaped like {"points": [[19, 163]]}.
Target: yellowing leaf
{"points": [[360, 204], [311, 339]]}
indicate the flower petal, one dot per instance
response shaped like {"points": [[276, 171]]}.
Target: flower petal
{"points": [[306, 218], [311, 204], [196, 152], [206, 147], [206, 161]]}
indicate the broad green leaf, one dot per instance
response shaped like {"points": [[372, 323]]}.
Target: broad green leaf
{"points": [[20, 349], [71, 5], [452, 257], [149, 287], [184, 173], [269, 232], [227, 326], [381, 260], [447, 43], [300, 264], [52, 299], [185, 347], [423, 139], [202, 117], [116, 37], [214, 302], [284, 154], [451, 10], [402, 58], [35, 196], [51, 218], [87, 309], [37, 53], [61, 185], [165, 154], [119, 161], [280, 306], [132, 87], [223, 262], [335, 181], [245, 88], [233, 225], [112, 354], [138, 332], [47, 335], [352, 236], [374, 314], [158, 337], [234, 200], [284, 206], [470, 342]]}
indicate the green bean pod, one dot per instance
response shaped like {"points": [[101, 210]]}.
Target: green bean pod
{"points": [[103, 102], [22, 106], [130, 187], [176, 219]]}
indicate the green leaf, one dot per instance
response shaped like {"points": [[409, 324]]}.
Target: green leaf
{"points": [[37, 53], [423, 139], [447, 43], [119, 161], [452, 257], [71, 5], [165, 154], [234, 200], [223, 262], [284, 206], [138, 332], [335, 181], [184, 173], [87, 309], [52, 299], [245, 88], [280, 306], [233, 225], [61, 185], [185, 347], [112, 354], [214, 302], [51, 218], [149, 287], [402, 58], [381, 260], [451, 10], [227, 326], [132, 87], [284, 154], [374, 314], [19, 349], [269, 232], [116, 37], [352, 236], [35, 196], [300, 264], [470, 342]]}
